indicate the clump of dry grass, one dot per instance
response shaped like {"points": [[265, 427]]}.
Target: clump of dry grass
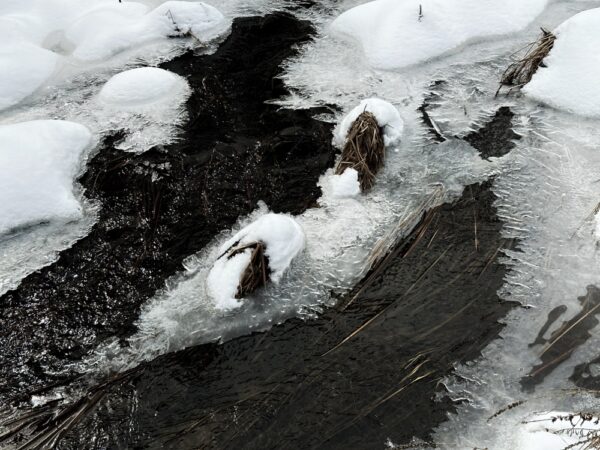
{"points": [[364, 150], [519, 73], [256, 274]]}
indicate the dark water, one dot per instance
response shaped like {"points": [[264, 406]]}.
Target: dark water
{"points": [[368, 370]]}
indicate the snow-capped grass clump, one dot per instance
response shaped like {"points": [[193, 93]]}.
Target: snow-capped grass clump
{"points": [[142, 87], [346, 184], [395, 34], [282, 239], [24, 67], [386, 114], [569, 76], [39, 161]]}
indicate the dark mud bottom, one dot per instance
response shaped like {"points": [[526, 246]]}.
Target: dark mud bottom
{"points": [[364, 372]]}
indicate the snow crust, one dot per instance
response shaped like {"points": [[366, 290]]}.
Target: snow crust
{"points": [[284, 240], [393, 35], [38, 164], [570, 79], [142, 86], [345, 184], [385, 113]]}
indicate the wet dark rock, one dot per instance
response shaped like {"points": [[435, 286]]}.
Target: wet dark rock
{"points": [[161, 206], [430, 305]]}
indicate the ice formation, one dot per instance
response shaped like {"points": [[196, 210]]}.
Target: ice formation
{"points": [[569, 78], [284, 240], [396, 34], [38, 163], [141, 87], [385, 113]]}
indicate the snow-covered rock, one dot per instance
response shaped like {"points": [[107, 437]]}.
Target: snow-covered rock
{"points": [[346, 184], [142, 87], [570, 79], [284, 240], [24, 68], [393, 34], [385, 113], [39, 161]]}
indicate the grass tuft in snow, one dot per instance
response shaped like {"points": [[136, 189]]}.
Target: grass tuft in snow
{"points": [[519, 73], [364, 150], [256, 273]]}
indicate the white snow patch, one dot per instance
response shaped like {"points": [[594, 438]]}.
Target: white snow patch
{"points": [[24, 68], [570, 79], [38, 164], [557, 431], [142, 86], [393, 34], [385, 113], [345, 185], [114, 34], [284, 240]]}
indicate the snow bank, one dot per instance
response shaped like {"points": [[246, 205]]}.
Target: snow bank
{"points": [[393, 35], [387, 117], [345, 185], [557, 431], [570, 79], [24, 68], [171, 19], [38, 163], [284, 240], [141, 87]]}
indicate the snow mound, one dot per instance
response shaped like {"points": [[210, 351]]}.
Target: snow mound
{"points": [[395, 34], [345, 185], [570, 79], [559, 430], [39, 38], [24, 69], [142, 86], [110, 35], [387, 117], [39, 161], [284, 240]]}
